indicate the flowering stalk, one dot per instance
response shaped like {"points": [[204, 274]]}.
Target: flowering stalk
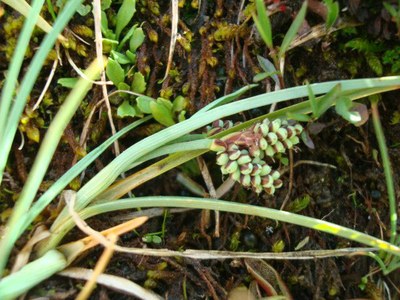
{"points": [[246, 156]]}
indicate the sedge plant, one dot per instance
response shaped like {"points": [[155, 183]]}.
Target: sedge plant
{"points": [[102, 193]]}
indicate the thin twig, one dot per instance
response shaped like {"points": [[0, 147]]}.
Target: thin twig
{"points": [[48, 81], [211, 190], [98, 270], [308, 162], [99, 54], [174, 35], [81, 74], [113, 282]]}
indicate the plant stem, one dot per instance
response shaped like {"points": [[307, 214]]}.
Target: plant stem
{"points": [[387, 168]]}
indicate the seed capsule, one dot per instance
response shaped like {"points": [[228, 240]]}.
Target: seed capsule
{"points": [[275, 175], [222, 158], [270, 190], [275, 125], [279, 148], [244, 159], [256, 181], [263, 144], [298, 128], [246, 168], [270, 151], [223, 170], [236, 175], [265, 170], [271, 138], [231, 166], [256, 128], [267, 181], [254, 151], [291, 131], [266, 121], [288, 144], [218, 145], [264, 129], [282, 134], [278, 183], [258, 189], [234, 154], [295, 140], [217, 123], [256, 170], [245, 180]]}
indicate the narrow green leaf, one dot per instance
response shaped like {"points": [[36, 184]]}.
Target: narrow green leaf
{"points": [[138, 83], [263, 23], [137, 39], [126, 110], [143, 103], [328, 100], [115, 72], [269, 67], [298, 117], [124, 15], [294, 28], [161, 114], [126, 38], [313, 102], [333, 13]]}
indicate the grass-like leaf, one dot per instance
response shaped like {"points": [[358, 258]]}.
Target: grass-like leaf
{"points": [[263, 23], [293, 29]]}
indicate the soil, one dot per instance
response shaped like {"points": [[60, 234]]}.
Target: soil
{"points": [[352, 194]]}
